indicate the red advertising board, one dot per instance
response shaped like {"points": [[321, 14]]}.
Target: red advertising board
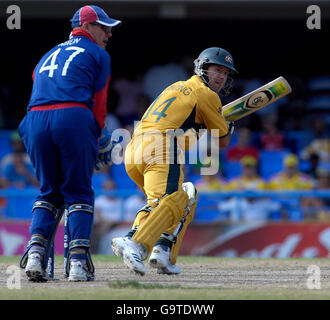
{"points": [[14, 237], [281, 240]]}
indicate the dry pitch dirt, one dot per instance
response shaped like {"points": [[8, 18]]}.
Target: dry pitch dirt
{"points": [[225, 274]]}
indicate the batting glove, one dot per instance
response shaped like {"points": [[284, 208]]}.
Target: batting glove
{"points": [[231, 127]]}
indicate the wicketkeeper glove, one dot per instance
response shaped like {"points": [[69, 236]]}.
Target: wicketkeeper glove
{"points": [[106, 145]]}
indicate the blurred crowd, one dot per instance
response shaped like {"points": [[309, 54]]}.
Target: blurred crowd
{"points": [[285, 146]]}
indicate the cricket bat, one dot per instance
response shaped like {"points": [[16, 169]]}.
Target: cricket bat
{"points": [[257, 99]]}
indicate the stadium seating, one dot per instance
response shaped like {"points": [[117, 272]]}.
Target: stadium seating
{"points": [[319, 96], [319, 102], [98, 179], [299, 139], [119, 175], [207, 211], [321, 83], [232, 169], [19, 207], [5, 146], [271, 162]]}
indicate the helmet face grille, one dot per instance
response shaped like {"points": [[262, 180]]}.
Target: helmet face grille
{"points": [[198, 63], [201, 71]]}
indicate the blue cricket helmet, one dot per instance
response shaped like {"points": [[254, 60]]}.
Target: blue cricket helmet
{"points": [[218, 56], [214, 55]]}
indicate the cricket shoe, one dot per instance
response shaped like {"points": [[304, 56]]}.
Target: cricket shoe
{"points": [[160, 259], [79, 271], [133, 254], [118, 245], [33, 269]]}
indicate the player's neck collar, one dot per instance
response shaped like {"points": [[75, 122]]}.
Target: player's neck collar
{"points": [[80, 32]]}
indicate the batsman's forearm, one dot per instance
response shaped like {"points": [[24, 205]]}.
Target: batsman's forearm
{"points": [[224, 141]]}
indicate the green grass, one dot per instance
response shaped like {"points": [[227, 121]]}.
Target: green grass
{"points": [[131, 293], [10, 259]]}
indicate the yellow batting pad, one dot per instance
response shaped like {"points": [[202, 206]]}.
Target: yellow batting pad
{"points": [[176, 246], [142, 215], [140, 218], [168, 213]]}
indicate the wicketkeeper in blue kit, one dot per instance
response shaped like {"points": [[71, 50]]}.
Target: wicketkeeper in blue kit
{"points": [[62, 132]]}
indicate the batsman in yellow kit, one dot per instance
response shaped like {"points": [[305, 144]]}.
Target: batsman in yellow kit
{"points": [[154, 157]]}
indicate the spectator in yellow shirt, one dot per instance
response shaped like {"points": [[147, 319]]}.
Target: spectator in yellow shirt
{"points": [[290, 178], [210, 182], [249, 179], [248, 208], [315, 208]]}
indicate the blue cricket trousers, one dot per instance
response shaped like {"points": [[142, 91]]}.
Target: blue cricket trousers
{"points": [[63, 147]]}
